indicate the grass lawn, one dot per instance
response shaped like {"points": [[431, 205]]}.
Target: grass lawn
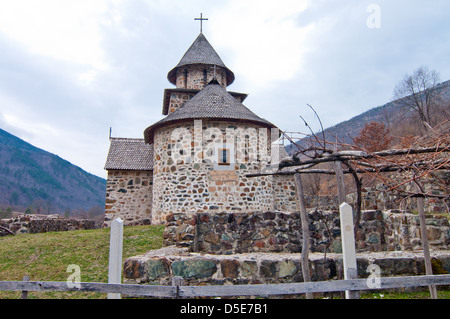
{"points": [[45, 256]]}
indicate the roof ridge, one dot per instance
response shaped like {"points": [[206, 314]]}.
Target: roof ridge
{"points": [[126, 138]]}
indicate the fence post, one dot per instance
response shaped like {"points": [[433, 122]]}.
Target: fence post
{"points": [[24, 294], [340, 182], [177, 281], [305, 231], [348, 247], [115, 255], [425, 245]]}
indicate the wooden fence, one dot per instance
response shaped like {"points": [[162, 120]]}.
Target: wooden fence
{"points": [[177, 290]]}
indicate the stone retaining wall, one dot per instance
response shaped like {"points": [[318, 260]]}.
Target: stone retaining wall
{"points": [[230, 233], [31, 224], [159, 266]]}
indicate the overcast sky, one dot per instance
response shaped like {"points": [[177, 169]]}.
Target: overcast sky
{"points": [[71, 69]]}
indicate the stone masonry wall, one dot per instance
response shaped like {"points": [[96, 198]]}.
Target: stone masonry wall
{"points": [[177, 99], [32, 224], [129, 196], [160, 266], [226, 233], [284, 193], [193, 76], [186, 180]]}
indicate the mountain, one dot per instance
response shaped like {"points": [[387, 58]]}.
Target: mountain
{"points": [[392, 114], [32, 177]]}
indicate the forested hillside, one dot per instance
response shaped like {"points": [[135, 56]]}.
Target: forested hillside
{"points": [[33, 179]]}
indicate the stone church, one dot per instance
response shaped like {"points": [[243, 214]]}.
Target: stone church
{"points": [[195, 160]]}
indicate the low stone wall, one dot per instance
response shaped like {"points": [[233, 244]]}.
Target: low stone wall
{"points": [[378, 197], [32, 224], [159, 266], [230, 233]]}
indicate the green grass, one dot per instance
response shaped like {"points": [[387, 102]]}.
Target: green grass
{"points": [[425, 294], [45, 256]]}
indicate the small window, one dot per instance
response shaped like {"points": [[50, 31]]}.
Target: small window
{"points": [[205, 77], [224, 156]]}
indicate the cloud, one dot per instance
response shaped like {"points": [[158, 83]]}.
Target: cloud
{"points": [[266, 41], [64, 30], [71, 69]]}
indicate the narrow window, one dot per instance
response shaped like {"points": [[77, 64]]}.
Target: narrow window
{"points": [[205, 77], [224, 156]]}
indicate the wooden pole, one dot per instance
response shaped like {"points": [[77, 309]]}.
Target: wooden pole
{"points": [[348, 247], [115, 255], [305, 231], [340, 182], [24, 294], [425, 245], [177, 281]]}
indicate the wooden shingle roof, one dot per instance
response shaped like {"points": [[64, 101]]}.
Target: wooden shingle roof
{"points": [[129, 154], [212, 102], [200, 52]]}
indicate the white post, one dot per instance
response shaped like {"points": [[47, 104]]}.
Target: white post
{"points": [[115, 255], [348, 247]]}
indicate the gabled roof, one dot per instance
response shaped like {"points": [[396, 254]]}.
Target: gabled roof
{"points": [[212, 102], [200, 52], [129, 154]]}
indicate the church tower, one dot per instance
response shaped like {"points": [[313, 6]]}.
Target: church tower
{"points": [[198, 66], [195, 159], [208, 142]]}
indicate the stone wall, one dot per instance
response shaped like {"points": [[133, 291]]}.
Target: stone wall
{"points": [[32, 224], [378, 198], [188, 180], [284, 193], [226, 233], [193, 76], [177, 99], [159, 266], [129, 196]]}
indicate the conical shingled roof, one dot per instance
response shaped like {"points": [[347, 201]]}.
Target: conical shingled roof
{"points": [[212, 102], [200, 52]]}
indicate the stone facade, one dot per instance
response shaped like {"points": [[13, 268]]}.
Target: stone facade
{"points": [[187, 178], [196, 76], [231, 233], [178, 98], [284, 192], [129, 196]]}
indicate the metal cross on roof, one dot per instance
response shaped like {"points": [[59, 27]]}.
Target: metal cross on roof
{"points": [[201, 21]]}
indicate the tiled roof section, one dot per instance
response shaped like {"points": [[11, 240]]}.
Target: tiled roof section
{"points": [[200, 52], [129, 154], [212, 102]]}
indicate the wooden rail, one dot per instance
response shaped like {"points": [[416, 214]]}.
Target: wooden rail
{"points": [[180, 291]]}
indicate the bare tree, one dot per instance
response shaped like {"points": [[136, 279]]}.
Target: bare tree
{"points": [[418, 92], [373, 137]]}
